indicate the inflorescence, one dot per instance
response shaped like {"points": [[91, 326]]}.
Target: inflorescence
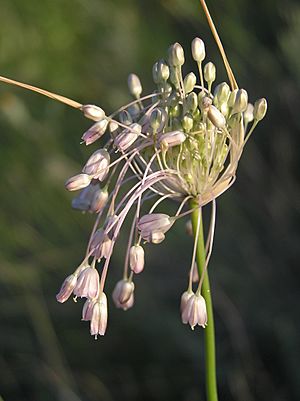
{"points": [[181, 142]]}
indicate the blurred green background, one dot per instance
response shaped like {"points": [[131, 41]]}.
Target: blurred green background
{"points": [[84, 49]]}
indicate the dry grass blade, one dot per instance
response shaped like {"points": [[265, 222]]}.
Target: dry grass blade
{"points": [[54, 96], [213, 29]]}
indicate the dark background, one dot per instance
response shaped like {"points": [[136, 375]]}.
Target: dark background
{"points": [[84, 49]]}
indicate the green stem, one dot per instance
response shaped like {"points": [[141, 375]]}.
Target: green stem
{"points": [[209, 331]]}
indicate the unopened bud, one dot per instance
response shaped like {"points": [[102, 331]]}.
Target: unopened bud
{"points": [[153, 226], [248, 114], [95, 132], [125, 118], [99, 200], [155, 237], [241, 101], [191, 102], [260, 109], [137, 258], [209, 72], [189, 82], [163, 71], [84, 199], [127, 137], [170, 139], [187, 122], [97, 165], [216, 117], [198, 50], [134, 85], [118, 293], [156, 119], [113, 127], [78, 181], [93, 112], [232, 98], [222, 93], [176, 55], [155, 73], [205, 104]]}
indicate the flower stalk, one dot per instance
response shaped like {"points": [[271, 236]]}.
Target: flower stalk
{"points": [[209, 331]]}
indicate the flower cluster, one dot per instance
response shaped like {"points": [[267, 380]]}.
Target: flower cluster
{"points": [[181, 142]]}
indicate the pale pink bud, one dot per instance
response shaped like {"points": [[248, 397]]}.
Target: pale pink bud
{"points": [[97, 165], [171, 139], [87, 309], [93, 112], [95, 132], [184, 300], [78, 181], [194, 313], [216, 117], [84, 200], [67, 288], [123, 294], [99, 316], [137, 258], [156, 237], [87, 283], [155, 222], [99, 200], [195, 276], [104, 249], [127, 137]]}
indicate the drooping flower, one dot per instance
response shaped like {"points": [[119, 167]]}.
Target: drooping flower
{"points": [[99, 316], [88, 283]]}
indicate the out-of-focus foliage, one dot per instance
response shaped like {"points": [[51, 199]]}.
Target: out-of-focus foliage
{"points": [[85, 49]]}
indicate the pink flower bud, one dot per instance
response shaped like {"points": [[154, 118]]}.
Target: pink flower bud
{"points": [[95, 132], [87, 309], [155, 237], [195, 276], [137, 258], [85, 198], [99, 200], [127, 137], [194, 312], [97, 165], [93, 112], [171, 139], [99, 316], [67, 288], [155, 222], [123, 294], [87, 283], [78, 181], [104, 249]]}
